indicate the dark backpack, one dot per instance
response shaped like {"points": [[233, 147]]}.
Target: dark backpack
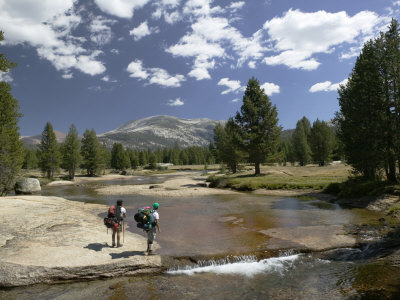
{"points": [[112, 220], [144, 218]]}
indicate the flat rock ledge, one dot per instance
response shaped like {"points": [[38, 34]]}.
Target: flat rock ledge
{"points": [[310, 238], [51, 239]]}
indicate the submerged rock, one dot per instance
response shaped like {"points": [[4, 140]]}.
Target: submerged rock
{"points": [[27, 186]]}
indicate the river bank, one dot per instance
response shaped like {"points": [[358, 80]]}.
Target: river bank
{"points": [[49, 239], [54, 239]]}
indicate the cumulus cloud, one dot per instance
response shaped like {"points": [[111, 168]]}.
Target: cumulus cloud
{"points": [[297, 36], [154, 75], [142, 30], [270, 88], [6, 76], [120, 8], [233, 86], [176, 102], [326, 86], [47, 25], [210, 38], [107, 79]]}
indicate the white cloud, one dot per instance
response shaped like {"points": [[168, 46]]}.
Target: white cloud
{"points": [[270, 88], [6, 76], [326, 86], [136, 69], [47, 26], [237, 5], [154, 75], [142, 30], [176, 102], [235, 100], [168, 10], [107, 79], [297, 36], [101, 32], [233, 86], [114, 51], [252, 64], [120, 8], [67, 76], [211, 38]]}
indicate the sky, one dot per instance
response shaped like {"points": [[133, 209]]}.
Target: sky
{"points": [[101, 63]]}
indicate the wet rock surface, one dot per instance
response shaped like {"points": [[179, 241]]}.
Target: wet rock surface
{"points": [[48, 239]]}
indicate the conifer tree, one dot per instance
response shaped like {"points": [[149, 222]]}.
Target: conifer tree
{"points": [[30, 159], [300, 142], [91, 152], [321, 142], [225, 138], [49, 153], [71, 156], [258, 124], [362, 117], [11, 151], [119, 158]]}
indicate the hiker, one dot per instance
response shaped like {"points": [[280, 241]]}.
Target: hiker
{"points": [[120, 214], [151, 233]]}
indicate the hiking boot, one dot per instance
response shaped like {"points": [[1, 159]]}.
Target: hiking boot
{"points": [[119, 245], [113, 245], [150, 252]]}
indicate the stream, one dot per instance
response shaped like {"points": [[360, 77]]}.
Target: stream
{"points": [[214, 250]]}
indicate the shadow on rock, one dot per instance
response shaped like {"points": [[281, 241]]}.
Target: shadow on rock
{"points": [[97, 246], [126, 254]]}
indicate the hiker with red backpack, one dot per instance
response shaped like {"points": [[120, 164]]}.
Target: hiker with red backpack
{"points": [[115, 221]]}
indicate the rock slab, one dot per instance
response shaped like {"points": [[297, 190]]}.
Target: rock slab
{"points": [[51, 239]]}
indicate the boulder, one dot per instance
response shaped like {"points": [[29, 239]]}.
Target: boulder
{"points": [[27, 186]]}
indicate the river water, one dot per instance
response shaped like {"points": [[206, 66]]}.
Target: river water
{"points": [[219, 253]]}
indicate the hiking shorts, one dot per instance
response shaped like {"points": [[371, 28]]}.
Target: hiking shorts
{"points": [[151, 235], [119, 228]]}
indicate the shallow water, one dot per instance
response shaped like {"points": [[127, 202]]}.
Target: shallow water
{"points": [[225, 231]]}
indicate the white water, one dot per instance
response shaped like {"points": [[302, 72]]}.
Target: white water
{"points": [[246, 266]]}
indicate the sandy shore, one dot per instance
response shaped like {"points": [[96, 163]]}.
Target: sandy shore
{"points": [[183, 184]]}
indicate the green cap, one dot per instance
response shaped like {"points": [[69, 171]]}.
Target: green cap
{"points": [[155, 205]]}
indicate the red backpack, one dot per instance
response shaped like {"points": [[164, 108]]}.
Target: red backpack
{"points": [[112, 220]]}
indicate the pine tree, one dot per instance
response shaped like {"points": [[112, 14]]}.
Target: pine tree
{"points": [[30, 159], [227, 149], [321, 142], [49, 153], [70, 149], [11, 151], [93, 160], [119, 158], [362, 119], [258, 124], [300, 141]]}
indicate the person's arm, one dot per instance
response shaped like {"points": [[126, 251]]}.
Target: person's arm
{"points": [[158, 225]]}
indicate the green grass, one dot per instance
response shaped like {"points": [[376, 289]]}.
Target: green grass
{"points": [[279, 179]]}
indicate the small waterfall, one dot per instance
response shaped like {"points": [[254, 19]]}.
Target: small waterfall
{"points": [[240, 265]]}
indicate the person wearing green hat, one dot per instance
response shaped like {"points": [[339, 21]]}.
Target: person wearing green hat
{"points": [[151, 233]]}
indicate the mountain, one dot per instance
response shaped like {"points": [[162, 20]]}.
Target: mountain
{"points": [[162, 131], [35, 140]]}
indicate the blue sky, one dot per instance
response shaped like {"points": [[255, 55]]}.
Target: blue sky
{"points": [[101, 63]]}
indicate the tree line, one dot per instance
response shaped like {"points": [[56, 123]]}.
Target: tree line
{"points": [[253, 136], [92, 156]]}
